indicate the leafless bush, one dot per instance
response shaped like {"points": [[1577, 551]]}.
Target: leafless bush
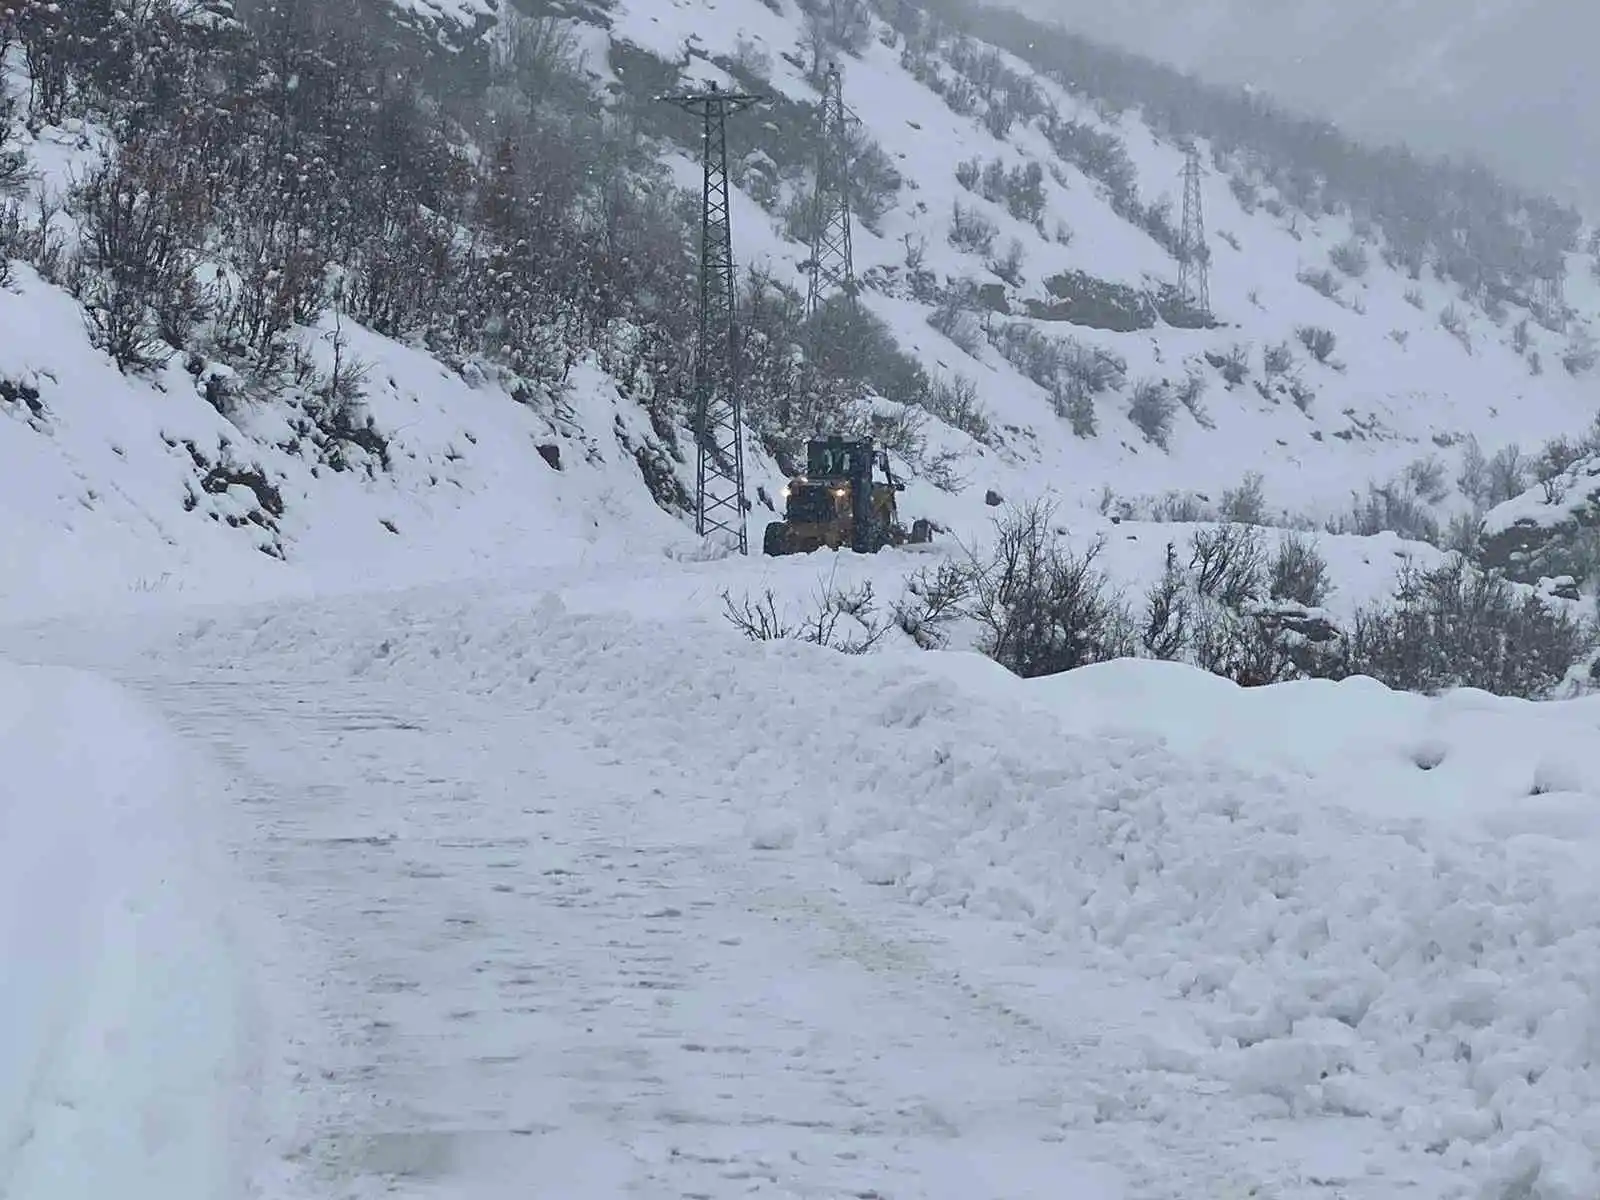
{"points": [[1320, 280], [1277, 360], [1454, 626], [1299, 572], [1042, 609], [1581, 352], [1191, 394], [1211, 614], [954, 400], [953, 318], [1009, 265], [1426, 478], [1151, 410], [135, 272], [1453, 322], [1073, 401], [1389, 508], [1351, 257], [1247, 503], [1180, 508], [971, 231], [1319, 342], [842, 619], [1098, 371], [1234, 365], [934, 597], [1228, 564]]}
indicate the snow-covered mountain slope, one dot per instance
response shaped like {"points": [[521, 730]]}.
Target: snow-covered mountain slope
{"points": [[99, 473]]}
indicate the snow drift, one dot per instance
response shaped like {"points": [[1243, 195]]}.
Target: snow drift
{"points": [[124, 1047]]}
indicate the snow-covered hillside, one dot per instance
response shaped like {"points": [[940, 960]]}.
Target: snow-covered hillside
{"points": [[102, 483]]}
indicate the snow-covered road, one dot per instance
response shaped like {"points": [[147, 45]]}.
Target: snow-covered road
{"points": [[541, 953], [544, 961], [581, 906]]}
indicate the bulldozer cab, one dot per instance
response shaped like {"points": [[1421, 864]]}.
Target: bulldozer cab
{"points": [[851, 461], [836, 458]]}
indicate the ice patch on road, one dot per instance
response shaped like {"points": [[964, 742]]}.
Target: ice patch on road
{"points": [[125, 1065]]}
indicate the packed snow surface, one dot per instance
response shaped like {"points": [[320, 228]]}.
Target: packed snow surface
{"points": [[630, 906]]}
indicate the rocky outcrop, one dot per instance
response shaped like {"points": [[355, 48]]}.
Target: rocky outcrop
{"points": [[1552, 529]]}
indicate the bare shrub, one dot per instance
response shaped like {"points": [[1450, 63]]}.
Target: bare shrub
{"points": [[1389, 508], [954, 400], [1351, 257], [1151, 410], [1228, 564], [1277, 360], [1454, 626], [1299, 572], [1247, 503], [1098, 371], [1042, 609], [1319, 342], [1320, 280], [1234, 365], [842, 619], [1073, 401], [1191, 393], [933, 598], [971, 231], [1454, 322], [1426, 478]]}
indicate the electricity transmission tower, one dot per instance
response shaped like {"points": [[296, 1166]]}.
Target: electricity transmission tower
{"points": [[832, 256], [719, 420], [1194, 256]]}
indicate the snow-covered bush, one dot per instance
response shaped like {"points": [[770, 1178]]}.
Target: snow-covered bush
{"points": [[1455, 626], [1319, 342], [1042, 609], [1151, 410]]}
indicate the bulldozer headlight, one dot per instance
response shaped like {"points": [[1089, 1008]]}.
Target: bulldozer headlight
{"points": [[839, 492], [785, 492]]}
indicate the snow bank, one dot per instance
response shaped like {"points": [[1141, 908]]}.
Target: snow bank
{"points": [[1490, 764], [123, 1059], [1356, 935]]}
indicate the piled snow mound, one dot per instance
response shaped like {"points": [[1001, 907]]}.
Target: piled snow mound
{"points": [[1505, 766], [1343, 954], [123, 1053]]}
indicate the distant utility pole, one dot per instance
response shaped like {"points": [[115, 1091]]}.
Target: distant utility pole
{"points": [[1194, 256], [832, 255], [719, 419]]}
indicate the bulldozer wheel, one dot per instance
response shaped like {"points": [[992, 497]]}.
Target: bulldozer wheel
{"points": [[921, 531], [776, 540]]}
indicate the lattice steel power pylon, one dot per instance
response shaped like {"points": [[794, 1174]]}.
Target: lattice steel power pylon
{"points": [[719, 419], [1194, 255], [832, 255]]}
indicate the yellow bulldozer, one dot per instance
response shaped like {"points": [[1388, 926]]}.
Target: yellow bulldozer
{"points": [[837, 503]]}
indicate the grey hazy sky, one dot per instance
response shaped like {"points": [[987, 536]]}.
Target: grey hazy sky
{"points": [[1515, 81]]}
